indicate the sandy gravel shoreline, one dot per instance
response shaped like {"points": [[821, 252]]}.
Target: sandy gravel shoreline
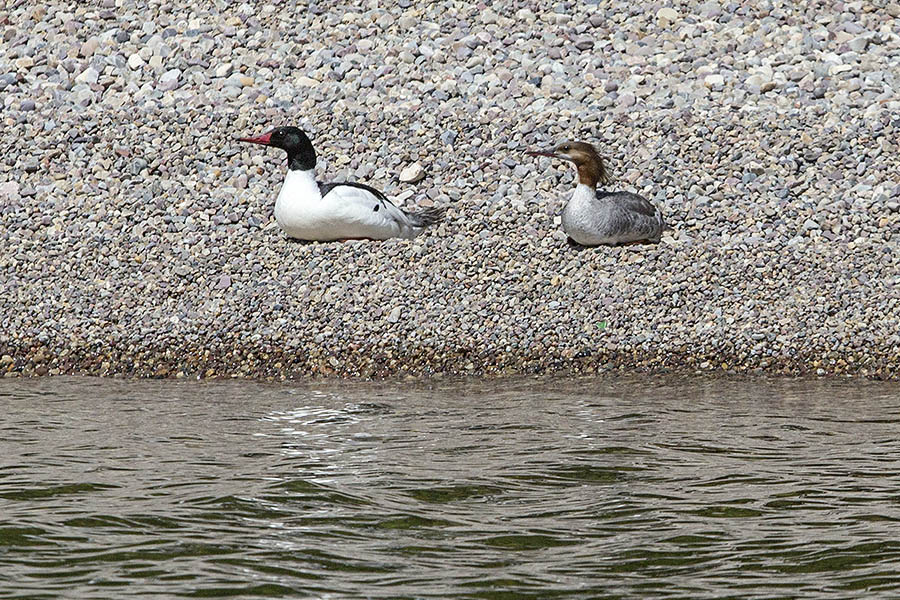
{"points": [[137, 237]]}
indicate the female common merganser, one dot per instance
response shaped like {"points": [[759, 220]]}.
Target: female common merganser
{"points": [[308, 210], [593, 217]]}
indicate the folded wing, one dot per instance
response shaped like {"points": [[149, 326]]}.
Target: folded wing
{"points": [[373, 212]]}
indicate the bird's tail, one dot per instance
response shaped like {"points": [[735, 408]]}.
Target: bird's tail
{"points": [[426, 217], [664, 225]]}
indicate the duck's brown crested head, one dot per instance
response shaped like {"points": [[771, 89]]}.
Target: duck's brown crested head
{"points": [[591, 169]]}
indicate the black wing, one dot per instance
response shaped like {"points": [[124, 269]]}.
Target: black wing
{"points": [[422, 218], [324, 188]]}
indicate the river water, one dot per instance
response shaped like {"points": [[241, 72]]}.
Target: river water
{"points": [[497, 489]]}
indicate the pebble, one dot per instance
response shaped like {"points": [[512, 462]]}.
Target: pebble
{"points": [[135, 62], [859, 44], [9, 190], [412, 173], [239, 80], [809, 224], [767, 135], [89, 47], [224, 70], [666, 16], [89, 75], [169, 80], [714, 81], [584, 43]]}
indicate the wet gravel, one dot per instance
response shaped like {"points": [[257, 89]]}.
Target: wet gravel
{"points": [[137, 237]]}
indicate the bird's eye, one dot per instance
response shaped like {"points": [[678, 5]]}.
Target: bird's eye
{"points": [[566, 148]]}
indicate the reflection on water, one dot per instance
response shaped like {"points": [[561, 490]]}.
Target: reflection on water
{"points": [[499, 489]]}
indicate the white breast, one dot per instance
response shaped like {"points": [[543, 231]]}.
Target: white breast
{"points": [[298, 203], [580, 217]]}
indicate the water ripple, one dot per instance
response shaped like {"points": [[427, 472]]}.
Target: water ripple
{"points": [[615, 488]]}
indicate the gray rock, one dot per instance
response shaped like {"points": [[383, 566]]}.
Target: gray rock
{"points": [[169, 80], [584, 43], [138, 165], [859, 44]]}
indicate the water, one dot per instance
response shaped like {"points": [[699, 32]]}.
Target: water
{"points": [[586, 488]]}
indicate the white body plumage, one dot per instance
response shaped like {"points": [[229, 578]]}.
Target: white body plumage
{"points": [[344, 212]]}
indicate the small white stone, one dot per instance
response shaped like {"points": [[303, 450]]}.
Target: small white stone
{"points": [[838, 69], [394, 316], [714, 81], [135, 62], [224, 70], [666, 16], [89, 75], [307, 82], [9, 190], [404, 195], [524, 14], [756, 81], [412, 173]]}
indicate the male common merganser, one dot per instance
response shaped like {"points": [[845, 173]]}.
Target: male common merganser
{"points": [[308, 210], [593, 217]]}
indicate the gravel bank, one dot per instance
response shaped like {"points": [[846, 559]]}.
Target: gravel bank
{"points": [[137, 237]]}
